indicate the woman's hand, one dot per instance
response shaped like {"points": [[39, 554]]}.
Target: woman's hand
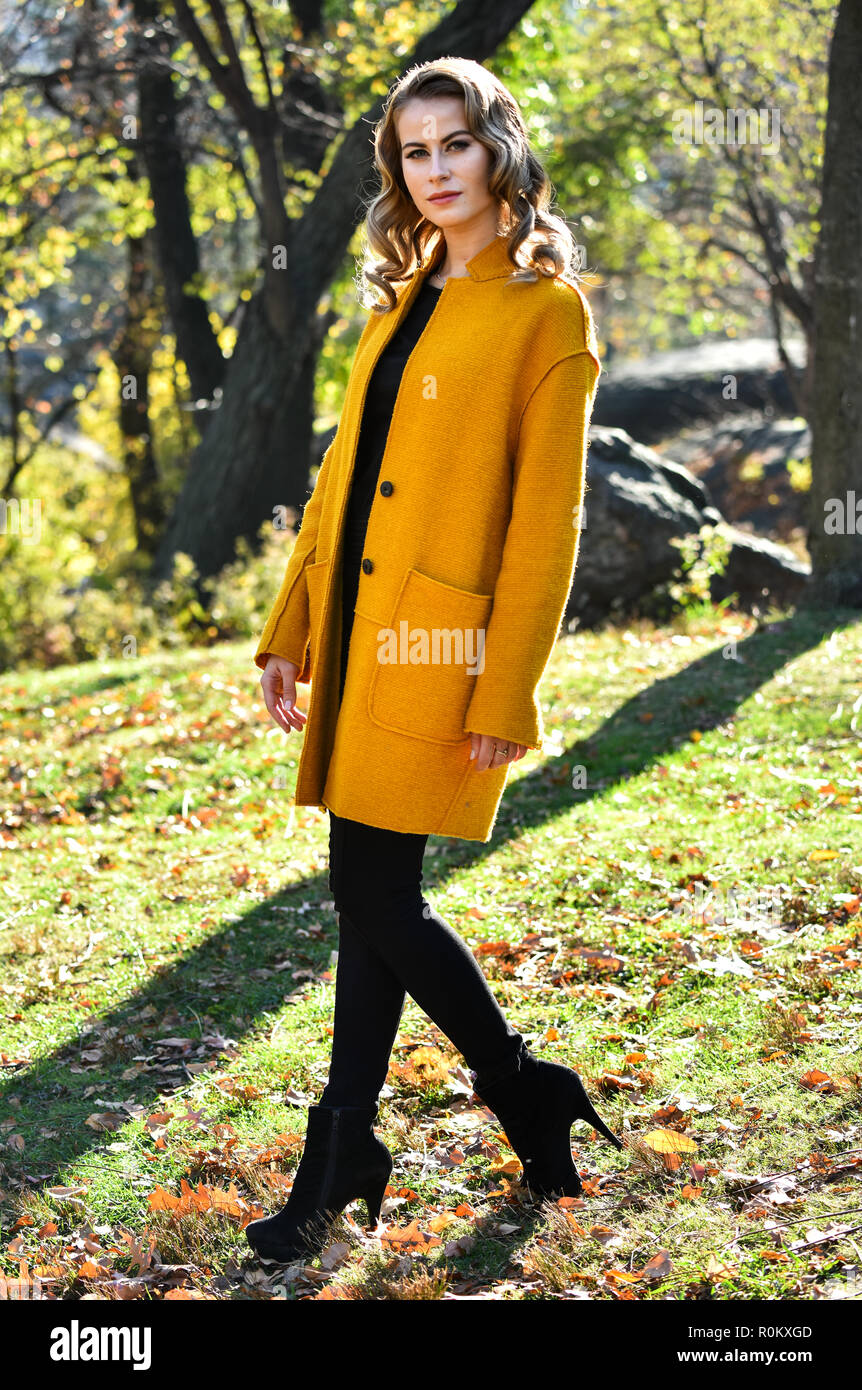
{"points": [[494, 752], [278, 683]]}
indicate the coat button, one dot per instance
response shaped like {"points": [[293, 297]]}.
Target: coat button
{"points": [[387, 489], [367, 566]]}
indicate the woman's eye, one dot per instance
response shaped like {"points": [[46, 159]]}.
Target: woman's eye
{"points": [[455, 145]]}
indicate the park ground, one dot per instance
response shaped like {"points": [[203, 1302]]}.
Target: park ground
{"points": [[670, 903]]}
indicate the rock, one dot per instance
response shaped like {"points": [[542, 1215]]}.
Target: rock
{"points": [[760, 572], [636, 503], [743, 464], [656, 396]]}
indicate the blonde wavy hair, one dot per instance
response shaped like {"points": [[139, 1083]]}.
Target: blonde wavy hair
{"points": [[399, 241]]}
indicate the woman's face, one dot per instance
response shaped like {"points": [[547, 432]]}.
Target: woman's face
{"points": [[439, 155]]}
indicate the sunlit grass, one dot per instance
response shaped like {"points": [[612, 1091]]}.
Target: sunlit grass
{"points": [[167, 978]]}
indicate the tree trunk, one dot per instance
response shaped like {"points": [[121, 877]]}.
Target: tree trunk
{"points": [[256, 450], [163, 159], [133, 358], [835, 530]]}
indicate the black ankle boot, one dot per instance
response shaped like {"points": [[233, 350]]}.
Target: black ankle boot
{"points": [[537, 1105], [343, 1159]]}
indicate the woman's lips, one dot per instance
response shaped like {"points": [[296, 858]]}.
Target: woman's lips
{"points": [[447, 198]]}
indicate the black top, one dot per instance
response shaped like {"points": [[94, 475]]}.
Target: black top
{"points": [[380, 402]]}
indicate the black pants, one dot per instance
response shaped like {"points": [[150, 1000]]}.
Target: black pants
{"points": [[391, 941]]}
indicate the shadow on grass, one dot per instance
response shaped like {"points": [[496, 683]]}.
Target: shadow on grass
{"points": [[656, 722], [234, 970]]}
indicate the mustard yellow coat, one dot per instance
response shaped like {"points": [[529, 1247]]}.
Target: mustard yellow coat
{"points": [[478, 532]]}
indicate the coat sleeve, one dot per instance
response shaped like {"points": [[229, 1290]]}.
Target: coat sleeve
{"points": [[286, 633], [539, 554]]}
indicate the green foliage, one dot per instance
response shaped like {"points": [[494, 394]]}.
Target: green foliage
{"points": [[800, 473], [688, 590], [74, 590], [667, 226]]}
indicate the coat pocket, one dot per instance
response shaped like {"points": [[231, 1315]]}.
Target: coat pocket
{"points": [[428, 659], [315, 578]]}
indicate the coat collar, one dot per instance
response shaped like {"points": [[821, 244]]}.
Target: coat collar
{"points": [[491, 263]]}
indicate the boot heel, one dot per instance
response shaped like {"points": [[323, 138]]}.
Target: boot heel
{"points": [[373, 1198], [587, 1111]]}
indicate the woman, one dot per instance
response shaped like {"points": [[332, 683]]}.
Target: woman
{"points": [[422, 599]]}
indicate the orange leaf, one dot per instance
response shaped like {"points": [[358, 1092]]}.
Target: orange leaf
{"points": [[441, 1221], [407, 1236], [667, 1141], [658, 1267], [162, 1200], [510, 1168], [609, 1081], [824, 1084]]}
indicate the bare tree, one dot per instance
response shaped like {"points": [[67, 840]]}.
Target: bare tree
{"points": [[835, 518]]}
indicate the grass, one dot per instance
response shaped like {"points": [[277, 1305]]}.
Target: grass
{"points": [[670, 903]]}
